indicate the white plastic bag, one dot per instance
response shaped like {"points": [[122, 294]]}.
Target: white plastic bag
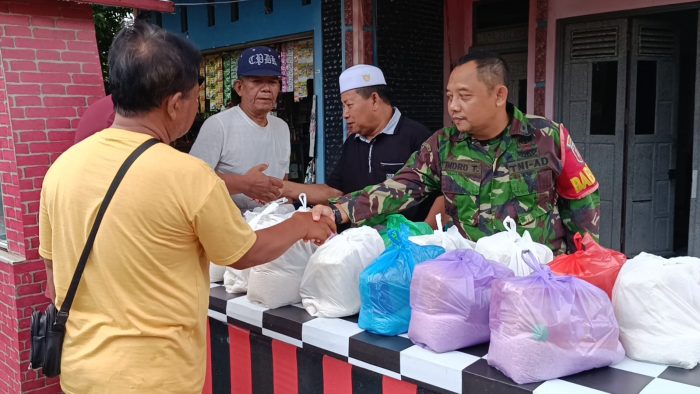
{"points": [[331, 283], [236, 281], [507, 246], [216, 272], [268, 215], [276, 283], [449, 240], [657, 304]]}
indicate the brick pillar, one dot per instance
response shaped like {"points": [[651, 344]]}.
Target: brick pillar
{"points": [[50, 71], [540, 55]]}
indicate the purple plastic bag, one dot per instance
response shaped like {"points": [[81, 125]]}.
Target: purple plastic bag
{"points": [[450, 299], [545, 326]]}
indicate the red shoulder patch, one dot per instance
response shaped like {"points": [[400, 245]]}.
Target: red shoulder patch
{"points": [[576, 179]]}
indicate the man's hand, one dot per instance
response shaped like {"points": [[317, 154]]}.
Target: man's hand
{"points": [[50, 291], [319, 211], [273, 241], [317, 230], [290, 190], [323, 211], [261, 187]]}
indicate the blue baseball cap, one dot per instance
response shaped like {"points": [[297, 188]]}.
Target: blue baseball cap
{"points": [[259, 62]]}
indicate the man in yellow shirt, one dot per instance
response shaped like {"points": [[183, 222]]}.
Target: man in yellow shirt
{"points": [[138, 321]]}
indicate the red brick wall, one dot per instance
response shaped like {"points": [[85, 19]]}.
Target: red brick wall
{"points": [[50, 72]]}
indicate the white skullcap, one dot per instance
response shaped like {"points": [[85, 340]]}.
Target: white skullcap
{"points": [[360, 76]]}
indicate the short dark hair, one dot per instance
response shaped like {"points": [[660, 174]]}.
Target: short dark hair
{"points": [[381, 90], [148, 64], [491, 68]]}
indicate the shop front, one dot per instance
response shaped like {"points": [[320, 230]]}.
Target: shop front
{"points": [[222, 31]]}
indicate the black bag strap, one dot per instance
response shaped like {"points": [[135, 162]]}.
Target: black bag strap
{"points": [[62, 315]]}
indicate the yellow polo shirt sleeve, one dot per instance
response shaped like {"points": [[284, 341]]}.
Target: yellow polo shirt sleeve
{"points": [[222, 231]]}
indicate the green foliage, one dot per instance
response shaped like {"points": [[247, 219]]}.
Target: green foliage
{"points": [[108, 21]]}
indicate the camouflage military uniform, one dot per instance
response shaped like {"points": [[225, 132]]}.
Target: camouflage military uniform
{"points": [[532, 173]]}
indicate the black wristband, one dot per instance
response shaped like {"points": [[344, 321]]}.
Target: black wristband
{"points": [[336, 213]]}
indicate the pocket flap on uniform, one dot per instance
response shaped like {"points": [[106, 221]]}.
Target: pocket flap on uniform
{"points": [[519, 186]]}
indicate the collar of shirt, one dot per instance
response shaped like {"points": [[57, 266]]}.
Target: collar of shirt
{"points": [[390, 127], [519, 124]]}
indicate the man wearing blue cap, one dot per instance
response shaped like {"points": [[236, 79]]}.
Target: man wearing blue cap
{"points": [[381, 140], [246, 145]]}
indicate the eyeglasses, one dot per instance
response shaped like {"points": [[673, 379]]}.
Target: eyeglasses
{"points": [[201, 79]]}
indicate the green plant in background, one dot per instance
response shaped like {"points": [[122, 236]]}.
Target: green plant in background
{"points": [[108, 21]]}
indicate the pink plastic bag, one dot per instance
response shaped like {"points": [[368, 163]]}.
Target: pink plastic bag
{"points": [[450, 299], [545, 326]]}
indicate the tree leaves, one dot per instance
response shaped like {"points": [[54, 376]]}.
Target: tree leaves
{"points": [[108, 22]]}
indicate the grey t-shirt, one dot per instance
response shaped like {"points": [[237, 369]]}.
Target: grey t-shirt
{"points": [[231, 142]]}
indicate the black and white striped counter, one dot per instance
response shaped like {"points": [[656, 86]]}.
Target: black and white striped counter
{"points": [[285, 350]]}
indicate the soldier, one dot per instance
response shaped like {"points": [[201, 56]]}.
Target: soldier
{"points": [[494, 162]]}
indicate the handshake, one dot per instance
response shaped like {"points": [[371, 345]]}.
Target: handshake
{"points": [[320, 222], [258, 186], [255, 184]]}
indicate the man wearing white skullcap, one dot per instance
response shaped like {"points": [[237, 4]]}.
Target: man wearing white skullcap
{"points": [[360, 76], [380, 140]]}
